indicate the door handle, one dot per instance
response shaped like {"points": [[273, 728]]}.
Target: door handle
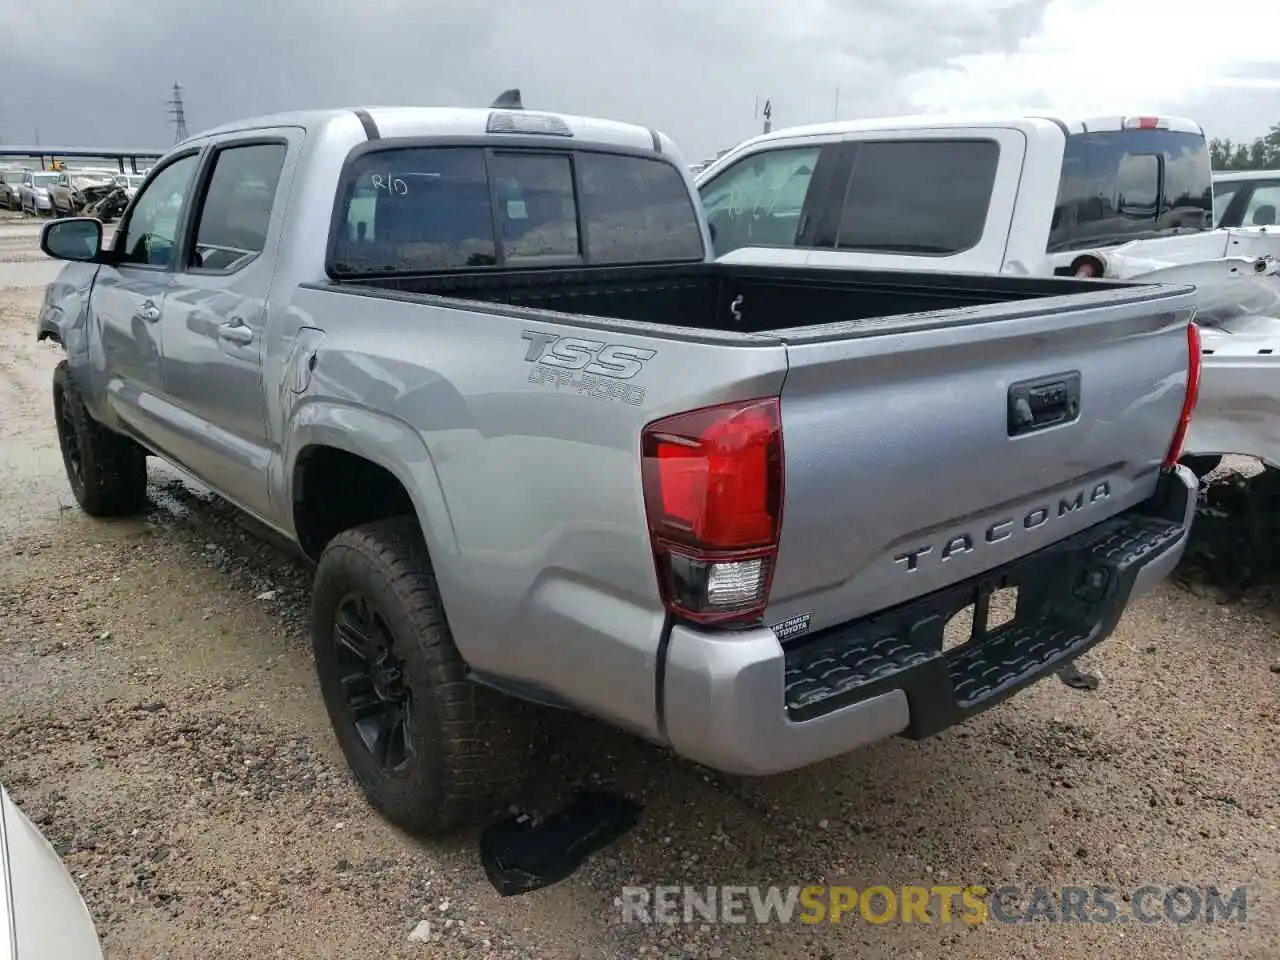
{"points": [[149, 312], [236, 333]]}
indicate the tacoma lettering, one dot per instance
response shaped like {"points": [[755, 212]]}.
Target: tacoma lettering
{"points": [[1004, 528]]}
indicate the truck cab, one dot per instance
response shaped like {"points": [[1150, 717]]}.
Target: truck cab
{"points": [[994, 193]]}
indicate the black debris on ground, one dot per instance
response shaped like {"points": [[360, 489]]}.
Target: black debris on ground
{"points": [[1234, 546], [1077, 679], [521, 854]]}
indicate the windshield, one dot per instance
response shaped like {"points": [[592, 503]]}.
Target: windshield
{"points": [[129, 180], [44, 179], [1127, 185]]}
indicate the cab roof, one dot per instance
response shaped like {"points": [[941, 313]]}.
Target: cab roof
{"points": [[390, 122], [1029, 119]]}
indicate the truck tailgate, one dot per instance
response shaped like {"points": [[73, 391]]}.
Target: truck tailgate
{"points": [[910, 461]]}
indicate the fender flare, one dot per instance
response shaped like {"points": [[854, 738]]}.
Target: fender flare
{"points": [[391, 444]]}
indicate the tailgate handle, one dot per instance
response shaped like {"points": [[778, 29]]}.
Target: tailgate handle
{"points": [[1044, 402]]}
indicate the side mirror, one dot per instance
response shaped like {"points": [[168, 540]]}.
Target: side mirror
{"points": [[73, 238]]}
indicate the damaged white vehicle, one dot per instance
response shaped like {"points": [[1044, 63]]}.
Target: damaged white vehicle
{"points": [[1113, 197], [1237, 277], [42, 916]]}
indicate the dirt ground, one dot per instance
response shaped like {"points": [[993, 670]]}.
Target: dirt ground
{"points": [[160, 722]]}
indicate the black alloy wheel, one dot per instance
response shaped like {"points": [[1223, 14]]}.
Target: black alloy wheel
{"points": [[374, 686]]}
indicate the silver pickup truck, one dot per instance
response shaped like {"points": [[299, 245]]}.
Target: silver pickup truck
{"points": [[479, 366]]}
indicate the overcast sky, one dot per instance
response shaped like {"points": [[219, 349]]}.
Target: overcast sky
{"points": [[98, 72]]}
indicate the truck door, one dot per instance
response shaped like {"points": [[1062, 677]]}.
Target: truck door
{"points": [[129, 294], [215, 318]]}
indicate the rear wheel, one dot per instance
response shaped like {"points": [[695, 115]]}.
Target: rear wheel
{"points": [[107, 471], [431, 749]]}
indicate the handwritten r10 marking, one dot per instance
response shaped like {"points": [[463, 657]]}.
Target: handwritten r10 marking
{"points": [[393, 185]]}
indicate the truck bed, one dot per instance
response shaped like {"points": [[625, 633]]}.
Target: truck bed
{"points": [[745, 299], [908, 468]]}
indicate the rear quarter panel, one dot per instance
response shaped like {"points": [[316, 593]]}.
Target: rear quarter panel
{"points": [[525, 472]]}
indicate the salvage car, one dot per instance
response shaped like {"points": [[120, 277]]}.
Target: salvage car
{"points": [[33, 192], [72, 190], [10, 181], [481, 367], [42, 916]]}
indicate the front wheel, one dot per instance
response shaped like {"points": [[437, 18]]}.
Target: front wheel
{"points": [[107, 471], [431, 749]]}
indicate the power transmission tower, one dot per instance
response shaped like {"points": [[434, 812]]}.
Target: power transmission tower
{"points": [[179, 115]]}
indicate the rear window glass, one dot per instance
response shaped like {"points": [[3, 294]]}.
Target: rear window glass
{"points": [[1126, 185], [426, 209], [412, 211], [918, 196], [536, 209], [636, 210]]}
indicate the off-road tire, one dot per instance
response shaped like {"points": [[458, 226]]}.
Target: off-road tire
{"points": [[111, 477], [471, 743]]}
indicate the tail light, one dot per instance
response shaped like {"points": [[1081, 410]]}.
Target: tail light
{"points": [[1195, 361], [713, 495]]}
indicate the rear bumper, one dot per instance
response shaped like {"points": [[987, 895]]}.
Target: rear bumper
{"points": [[744, 704]]}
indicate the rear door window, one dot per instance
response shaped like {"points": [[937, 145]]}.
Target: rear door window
{"points": [[918, 196], [235, 212]]}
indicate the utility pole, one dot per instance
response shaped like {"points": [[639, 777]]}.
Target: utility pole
{"points": [[179, 115]]}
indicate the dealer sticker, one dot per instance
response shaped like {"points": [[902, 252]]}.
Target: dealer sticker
{"points": [[792, 627]]}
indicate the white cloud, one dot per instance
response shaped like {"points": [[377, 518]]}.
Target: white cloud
{"points": [[1121, 56], [692, 68]]}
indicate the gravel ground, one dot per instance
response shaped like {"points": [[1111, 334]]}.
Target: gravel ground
{"points": [[160, 721]]}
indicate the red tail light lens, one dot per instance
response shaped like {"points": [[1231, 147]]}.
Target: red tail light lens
{"points": [[1195, 361], [713, 494]]}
